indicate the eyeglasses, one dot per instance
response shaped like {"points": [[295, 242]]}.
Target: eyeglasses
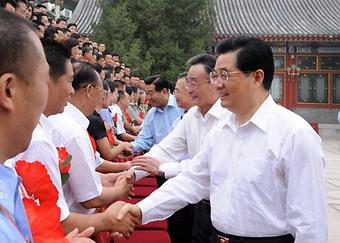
{"points": [[104, 92], [192, 83], [218, 77]]}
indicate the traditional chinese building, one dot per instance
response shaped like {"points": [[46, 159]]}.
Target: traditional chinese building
{"points": [[305, 38]]}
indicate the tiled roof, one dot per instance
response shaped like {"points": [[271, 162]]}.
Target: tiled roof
{"points": [[278, 18], [86, 14]]}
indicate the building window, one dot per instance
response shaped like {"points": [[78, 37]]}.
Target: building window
{"points": [[276, 88], [330, 62], [279, 49], [313, 88], [279, 62], [336, 88], [307, 62]]}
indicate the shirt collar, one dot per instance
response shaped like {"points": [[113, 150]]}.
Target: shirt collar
{"points": [[216, 110], [171, 102], [77, 115], [260, 118], [263, 113]]}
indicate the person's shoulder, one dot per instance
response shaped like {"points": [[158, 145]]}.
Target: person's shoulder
{"points": [[285, 121]]}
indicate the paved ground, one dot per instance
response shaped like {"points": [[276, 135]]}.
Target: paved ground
{"points": [[331, 147]]}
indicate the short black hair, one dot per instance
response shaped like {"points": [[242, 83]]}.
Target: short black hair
{"points": [[106, 85], [75, 36], [17, 47], [60, 20], [131, 89], [72, 24], [23, 1], [182, 75], [107, 52], [4, 2], [97, 67], [207, 60], [118, 69], [41, 6], [56, 55], [159, 81], [253, 54], [115, 54], [85, 44], [40, 15], [98, 56], [50, 33], [85, 50], [120, 84], [83, 75], [71, 42], [37, 23], [112, 85], [121, 95]]}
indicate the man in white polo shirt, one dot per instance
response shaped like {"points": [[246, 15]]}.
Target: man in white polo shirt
{"points": [[43, 149]]}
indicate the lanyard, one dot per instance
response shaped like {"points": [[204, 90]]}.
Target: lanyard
{"points": [[10, 218]]}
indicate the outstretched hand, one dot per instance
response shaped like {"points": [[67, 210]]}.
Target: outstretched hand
{"points": [[124, 225], [83, 237], [129, 209], [148, 164]]}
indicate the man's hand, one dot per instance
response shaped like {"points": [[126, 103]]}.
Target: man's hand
{"points": [[75, 237], [125, 224], [125, 146], [129, 209], [124, 184], [109, 179], [148, 164]]}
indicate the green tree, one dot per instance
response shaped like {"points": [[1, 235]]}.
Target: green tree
{"points": [[157, 36]]}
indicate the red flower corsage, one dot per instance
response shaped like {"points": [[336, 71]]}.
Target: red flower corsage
{"points": [[40, 201], [64, 164]]}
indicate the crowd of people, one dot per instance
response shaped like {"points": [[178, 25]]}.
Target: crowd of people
{"points": [[236, 166]]}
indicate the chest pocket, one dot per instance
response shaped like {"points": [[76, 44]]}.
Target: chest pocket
{"points": [[255, 179]]}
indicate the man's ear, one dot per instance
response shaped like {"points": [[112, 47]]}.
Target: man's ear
{"points": [[8, 87], [259, 77], [165, 91], [88, 90]]}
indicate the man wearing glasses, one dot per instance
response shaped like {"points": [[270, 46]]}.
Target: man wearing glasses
{"points": [[262, 167], [187, 139]]}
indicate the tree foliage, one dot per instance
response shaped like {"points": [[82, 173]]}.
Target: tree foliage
{"points": [[156, 36]]}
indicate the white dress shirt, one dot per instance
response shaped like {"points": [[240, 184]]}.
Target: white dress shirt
{"points": [[42, 149], [185, 140], [84, 182], [264, 178]]}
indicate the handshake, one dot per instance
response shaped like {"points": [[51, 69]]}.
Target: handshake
{"points": [[122, 218]]}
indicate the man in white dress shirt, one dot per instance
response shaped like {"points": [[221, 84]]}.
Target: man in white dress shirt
{"points": [[262, 167], [187, 139]]}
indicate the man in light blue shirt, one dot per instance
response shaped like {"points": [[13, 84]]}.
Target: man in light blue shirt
{"points": [[13, 222], [164, 112], [23, 78]]}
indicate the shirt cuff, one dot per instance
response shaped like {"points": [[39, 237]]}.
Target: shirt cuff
{"points": [[146, 206], [139, 174], [170, 169]]}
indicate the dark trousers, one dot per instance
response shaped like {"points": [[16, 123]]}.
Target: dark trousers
{"points": [[203, 230], [180, 224]]}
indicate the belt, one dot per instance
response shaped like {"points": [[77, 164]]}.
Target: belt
{"points": [[205, 201], [226, 238]]}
